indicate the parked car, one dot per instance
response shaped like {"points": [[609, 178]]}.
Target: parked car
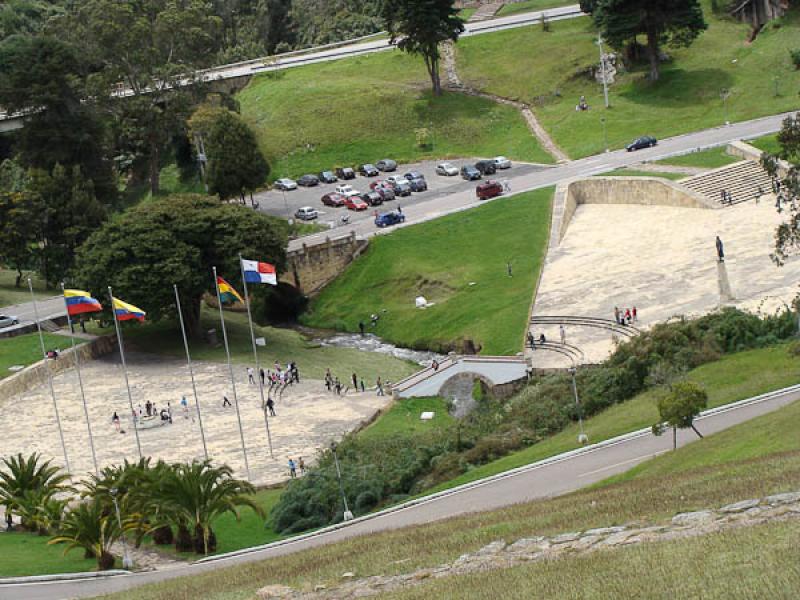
{"points": [[8, 321], [489, 189], [284, 183], [645, 141], [346, 190], [306, 213], [308, 180], [501, 162], [368, 170], [389, 218], [414, 175], [355, 203], [387, 165], [372, 198], [394, 179], [333, 199], [486, 167], [328, 177], [418, 185], [345, 173], [378, 183], [386, 192], [470, 173], [447, 169], [401, 187]]}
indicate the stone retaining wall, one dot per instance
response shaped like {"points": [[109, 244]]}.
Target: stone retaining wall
{"points": [[34, 375], [311, 268], [748, 152]]}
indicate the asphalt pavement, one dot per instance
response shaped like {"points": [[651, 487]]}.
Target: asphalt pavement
{"points": [[558, 475]]}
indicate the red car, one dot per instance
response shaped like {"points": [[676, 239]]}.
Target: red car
{"points": [[333, 199], [489, 189], [355, 203], [378, 183]]}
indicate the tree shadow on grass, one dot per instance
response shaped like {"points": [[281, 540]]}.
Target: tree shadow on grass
{"points": [[678, 88]]}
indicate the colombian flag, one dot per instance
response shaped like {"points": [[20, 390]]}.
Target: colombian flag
{"points": [[127, 312], [80, 302], [227, 294]]}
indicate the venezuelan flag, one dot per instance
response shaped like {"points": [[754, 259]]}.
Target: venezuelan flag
{"points": [[80, 302], [127, 312], [227, 294]]}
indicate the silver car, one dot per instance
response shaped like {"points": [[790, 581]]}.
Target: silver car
{"points": [[8, 321], [284, 183], [306, 213], [447, 169], [501, 162]]}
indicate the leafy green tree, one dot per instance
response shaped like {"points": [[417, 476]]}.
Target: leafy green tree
{"points": [[27, 16], [675, 23], [23, 479], [420, 26], [19, 221], [236, 164], [177, 239], [91, 527], [679, 407]]}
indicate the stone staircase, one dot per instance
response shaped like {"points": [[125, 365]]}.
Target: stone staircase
{"points": [[486, 11], [742, 180]]}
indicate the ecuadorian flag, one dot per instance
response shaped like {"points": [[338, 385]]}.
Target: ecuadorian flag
{"points": [[227, 294], [127, 312], [80, 302]]}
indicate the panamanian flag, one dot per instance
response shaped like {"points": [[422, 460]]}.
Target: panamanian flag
{"points": [[259, 272]]}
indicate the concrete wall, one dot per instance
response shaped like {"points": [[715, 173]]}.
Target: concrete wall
{"points": [[310, 268], [746, 151], [36, 374], [645, 191], [495, 371]]}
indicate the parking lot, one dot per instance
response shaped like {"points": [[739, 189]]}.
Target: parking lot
{"points": [[284, 204]]}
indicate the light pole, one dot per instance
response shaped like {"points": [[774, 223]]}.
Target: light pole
{"points": [[724, 94], [347, 516], [582, 437], [286, 205], [603, 69], [127, 563]]}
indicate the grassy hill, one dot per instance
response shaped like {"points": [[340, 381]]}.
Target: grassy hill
{"points": [[549, 71], [367, 108], [456, 262]]}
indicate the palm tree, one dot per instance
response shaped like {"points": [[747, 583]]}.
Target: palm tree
{"points": [[24, 480], [196, 494], [88, 526]]}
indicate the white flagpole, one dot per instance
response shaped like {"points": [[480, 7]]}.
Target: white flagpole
{"points": [[255, 357], [80, 384], [49, 375], [191, 371], [230, 368], [125, 372]]}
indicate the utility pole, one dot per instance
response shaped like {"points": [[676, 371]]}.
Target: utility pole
{"points": [[603, 68]]}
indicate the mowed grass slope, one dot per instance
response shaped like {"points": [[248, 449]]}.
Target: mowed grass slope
{"points": [[712, 158], [548, 70], [363, 109], [513, 8], [457, 262], [10, 294], [25, 350], [29, 554]]}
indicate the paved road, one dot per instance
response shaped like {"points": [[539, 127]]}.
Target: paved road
{"points": [[49, 308], [562, 474], [592, 165]]}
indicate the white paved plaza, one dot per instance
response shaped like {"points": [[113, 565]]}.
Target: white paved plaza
{"points": [[307, 418], [663, 261]]}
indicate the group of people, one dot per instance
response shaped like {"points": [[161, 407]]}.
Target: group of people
{"points": [[295, 466], [150, 410], [726, 197], [532, 339], [625, 317], [356, 383]]}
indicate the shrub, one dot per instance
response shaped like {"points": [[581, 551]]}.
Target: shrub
{"points": [[795, 54]]}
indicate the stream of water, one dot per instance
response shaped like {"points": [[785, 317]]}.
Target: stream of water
{"points": [[372, 343]]}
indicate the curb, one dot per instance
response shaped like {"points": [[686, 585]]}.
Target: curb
{"points": [[63, 577]]}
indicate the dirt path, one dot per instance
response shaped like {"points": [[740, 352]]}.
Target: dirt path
{"points": [[453, 82]]}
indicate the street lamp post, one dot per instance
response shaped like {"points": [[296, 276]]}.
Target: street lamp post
{"points": [[286, 205], [582, 437], [603, 69], [724, 94], [347, 516], [127, 562]]}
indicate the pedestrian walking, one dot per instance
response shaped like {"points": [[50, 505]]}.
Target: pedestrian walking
{"points": [[292, 469], [338, 386], [616, 315], [250, 375], [628, 316], [185, 406], [363, 388], [361, 327], [542, 339], [562, 332], [633, 312], [271, 407], [508, 268], [355, 382], [506, 185], [225, 402], [301, 464], [263, 376], [379, 387], [115, 420], [720, 250], [531, 340]]}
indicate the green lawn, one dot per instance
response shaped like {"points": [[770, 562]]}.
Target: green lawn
{"points": [[25, 350], [513, 8], [458, 263], [732, 378], [281, 344], [169, 183], [10, 294], [767, 143], [403, 418], [624, 172], [548, 69], [367, 108], [28, 554], [712, 158]]}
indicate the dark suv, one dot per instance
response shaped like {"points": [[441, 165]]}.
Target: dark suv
{"points": [[486, 167], [372, 198], [470, 173], [345, 173], [368, 170], [328, 177]]}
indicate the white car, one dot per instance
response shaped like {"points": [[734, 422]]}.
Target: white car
{"points": [[306, 213], [397, 179], [501, 162], [8, 320], [447, 169], [347, 190], [284, 183]]}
